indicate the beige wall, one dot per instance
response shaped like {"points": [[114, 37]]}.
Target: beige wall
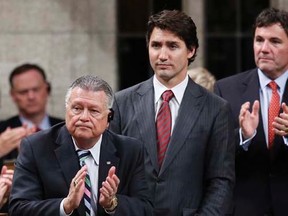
{"points": [[281, 4], [195, 9], [67, 38]]}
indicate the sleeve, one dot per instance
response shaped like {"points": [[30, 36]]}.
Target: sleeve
{"points": [[27, 194]]}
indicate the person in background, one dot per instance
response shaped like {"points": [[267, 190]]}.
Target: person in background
{"points": [[79, 167], [29, 90], [258, 98], [202, 77], [186, 130]]}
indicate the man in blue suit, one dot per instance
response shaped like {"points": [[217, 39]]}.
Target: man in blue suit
{"points": [[48, 179], [195, 174], [261, 157]]}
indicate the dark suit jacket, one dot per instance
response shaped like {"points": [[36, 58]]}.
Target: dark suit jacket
{"points": [[47, 162], [197, 174], [261, 174], [14, 122]]}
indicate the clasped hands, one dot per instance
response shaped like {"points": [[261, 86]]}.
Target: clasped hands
{"points": [[76, 191], [6, 178], [249, 121], [11, 138]]}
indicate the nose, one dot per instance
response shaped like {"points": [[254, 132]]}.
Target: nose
{"points": [[84, 116], [163, 54], [30, 94], [265, 46]]}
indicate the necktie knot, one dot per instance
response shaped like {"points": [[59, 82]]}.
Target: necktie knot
{"points": [[167, 95], [273, 85], [83, 154]]}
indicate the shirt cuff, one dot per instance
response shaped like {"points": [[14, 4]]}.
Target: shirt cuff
{"points": [[62, 212], [245, 143]]}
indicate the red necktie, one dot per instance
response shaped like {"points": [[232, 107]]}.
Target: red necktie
{"points": [[163, 125], [273, 111]]}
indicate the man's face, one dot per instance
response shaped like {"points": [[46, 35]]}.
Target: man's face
{"points": [[30, 94], [86, 115], [168, 56], [271, 50]]}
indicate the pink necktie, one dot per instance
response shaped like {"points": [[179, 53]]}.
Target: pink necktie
{"points": [[163, 125], [273, 111]]}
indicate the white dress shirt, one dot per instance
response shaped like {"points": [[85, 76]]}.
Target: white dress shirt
{"points": [[265, 93], [175, 102], [93, 171]]}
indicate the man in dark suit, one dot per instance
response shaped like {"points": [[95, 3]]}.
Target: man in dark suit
{"points": [[195, 174], [29, 90], [261, 157], [47, 179]]}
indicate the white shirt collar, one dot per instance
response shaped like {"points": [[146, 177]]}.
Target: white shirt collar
{"points": [[95, 150], [281, 81], [44, 124], [177, 90]]}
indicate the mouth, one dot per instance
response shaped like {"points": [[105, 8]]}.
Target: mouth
{"points": [[265, 59], [163, 66], [82, 126]]}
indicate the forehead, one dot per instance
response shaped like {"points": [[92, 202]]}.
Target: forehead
{"points": [[272, 31], [82, 96], [160, 35], [28, 79]]}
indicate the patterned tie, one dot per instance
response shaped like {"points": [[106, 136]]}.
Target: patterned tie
{"points": [[163, 125], [83, 155], [273, 111]]}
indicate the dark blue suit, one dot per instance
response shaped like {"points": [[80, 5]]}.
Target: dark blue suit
{"points": [[261, 174], [47, 163], [197, 173]]}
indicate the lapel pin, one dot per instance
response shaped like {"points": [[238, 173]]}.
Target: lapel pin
{"points": [[108, 162]]}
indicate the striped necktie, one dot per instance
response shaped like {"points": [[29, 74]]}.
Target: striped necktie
{"points": [[83, 155], [163, 125]]}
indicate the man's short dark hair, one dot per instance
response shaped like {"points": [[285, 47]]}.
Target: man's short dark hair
{"points": [[270, 16], [23, 69], [178, 23]]}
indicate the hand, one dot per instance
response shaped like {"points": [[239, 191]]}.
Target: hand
{"points": [[6, 178], [76, 191], [11, 138], [109, 188], [249, 121], [280, 123]]}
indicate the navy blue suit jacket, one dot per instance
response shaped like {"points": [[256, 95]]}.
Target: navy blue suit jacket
{"points": [[47, 162], [261, 174], [197, 174]]}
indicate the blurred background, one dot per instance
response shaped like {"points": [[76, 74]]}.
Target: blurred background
{"points": [[69, 38]]}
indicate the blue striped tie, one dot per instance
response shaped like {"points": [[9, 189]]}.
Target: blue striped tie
{"points": [[83, 155]]}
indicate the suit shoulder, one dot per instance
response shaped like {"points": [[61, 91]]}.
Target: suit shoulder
{"points": [[236, 78], [12, 122], [130, 90], [45, 136], [54, 120], [124, 140]]}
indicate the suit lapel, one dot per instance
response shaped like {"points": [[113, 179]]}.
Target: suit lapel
{"points": [[250, 85], [68, 159], [145, 110], [189, 110], [108, 158]]}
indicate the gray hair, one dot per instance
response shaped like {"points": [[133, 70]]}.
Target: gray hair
{"points": [[91, 83]]}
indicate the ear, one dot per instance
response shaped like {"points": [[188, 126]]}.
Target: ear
{"points": [[48, 87], [110, 115], [191, 52]]}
